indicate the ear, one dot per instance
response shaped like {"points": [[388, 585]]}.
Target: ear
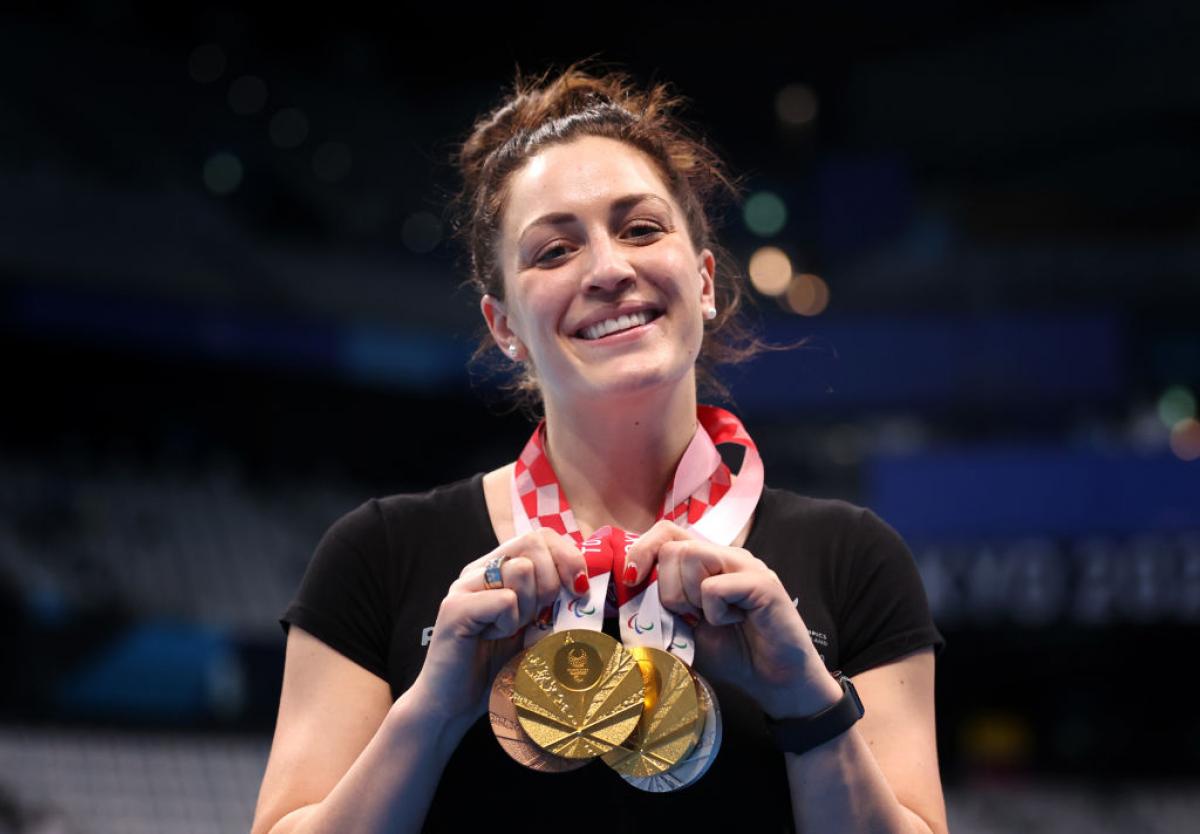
{"points": [[496, 316], [708, 274]]}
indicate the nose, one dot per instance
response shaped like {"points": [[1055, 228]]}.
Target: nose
{"points": [[610, 271]]}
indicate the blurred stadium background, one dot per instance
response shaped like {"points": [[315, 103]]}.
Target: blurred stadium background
{"points": [[231, 313]]}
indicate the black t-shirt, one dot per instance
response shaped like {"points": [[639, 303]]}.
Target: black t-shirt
{"points": [[373, 589]]}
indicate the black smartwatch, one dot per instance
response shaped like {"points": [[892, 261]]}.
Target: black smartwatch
{"points": [[799, 735]]}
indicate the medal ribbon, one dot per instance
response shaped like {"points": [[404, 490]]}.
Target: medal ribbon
{"points": [[703, 497], [725, 516], [643, 620]]}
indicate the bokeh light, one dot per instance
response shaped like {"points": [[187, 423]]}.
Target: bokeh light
{"points": [[1177, 403], [422, 232], [1185, 439], [801, 294], [770, 270], [289, 128], [997, 738], [764, 213], [796, 105], [206, 63], [222, 173], [807, 294], [247, 95], [332, 161]]}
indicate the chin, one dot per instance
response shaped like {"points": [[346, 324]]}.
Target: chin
{"points": [[643, 380]]}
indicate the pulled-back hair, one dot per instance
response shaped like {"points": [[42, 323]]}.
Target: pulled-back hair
{"points": [[553, 109]]}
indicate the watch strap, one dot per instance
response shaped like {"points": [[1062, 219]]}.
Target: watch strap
{"points": [[799, 735]]}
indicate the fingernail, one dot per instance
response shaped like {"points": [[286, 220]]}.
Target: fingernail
{"points": [[690, 619], [581, 583], [630, 573]]}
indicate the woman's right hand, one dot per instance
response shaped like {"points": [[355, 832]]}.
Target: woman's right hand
{"points": [[479, 629]]}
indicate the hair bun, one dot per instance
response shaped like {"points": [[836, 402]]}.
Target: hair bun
{"points": [[535, 102]]}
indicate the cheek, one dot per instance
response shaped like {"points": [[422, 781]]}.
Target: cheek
{"points": [[675, 269], [537, 308]]}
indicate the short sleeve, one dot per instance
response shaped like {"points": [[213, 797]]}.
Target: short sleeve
{"points": [[341, 600], [885, 612]]}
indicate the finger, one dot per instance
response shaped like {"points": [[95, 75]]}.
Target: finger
{"points": [[477, 565], [486, 615], [476, 579], [670, 585], [507, 621], [569, 563], [556, 560], [533, 546], [643, 554], [520, 577], [696, 561], [471, 579], [556, 563], [729, 597]]}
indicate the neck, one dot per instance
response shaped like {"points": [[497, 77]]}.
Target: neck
{"points": [[615, 461]]}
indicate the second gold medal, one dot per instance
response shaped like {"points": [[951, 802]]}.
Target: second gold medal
{"points": [[671, 723]]}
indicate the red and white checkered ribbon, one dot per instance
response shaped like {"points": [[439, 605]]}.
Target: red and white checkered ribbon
{"points": [[703, 497], [701, 481]]}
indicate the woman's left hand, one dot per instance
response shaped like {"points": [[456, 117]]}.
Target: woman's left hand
{"points": [[749, 633]]}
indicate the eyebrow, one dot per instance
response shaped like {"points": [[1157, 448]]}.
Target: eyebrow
{"points": [[621, 204]]}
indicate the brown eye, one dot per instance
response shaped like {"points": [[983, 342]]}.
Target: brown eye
{"points": [[551, 254], [643, 229]]}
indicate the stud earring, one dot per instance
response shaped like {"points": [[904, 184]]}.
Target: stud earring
{"points": [[710, 313], [512, 349]]}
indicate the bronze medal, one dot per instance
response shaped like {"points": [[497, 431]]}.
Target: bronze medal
{"points": [[513, 739], [671, 724], [690, 768], [578, 694]]}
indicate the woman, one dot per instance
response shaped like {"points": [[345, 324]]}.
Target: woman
{"points": [[585, 218]]}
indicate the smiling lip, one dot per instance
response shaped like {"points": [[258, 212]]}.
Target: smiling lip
{"points": [[616, 322]]}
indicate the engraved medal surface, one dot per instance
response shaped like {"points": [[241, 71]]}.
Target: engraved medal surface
{"points": [[695, 764], [508, 730], [671, 724], [578, 694]]}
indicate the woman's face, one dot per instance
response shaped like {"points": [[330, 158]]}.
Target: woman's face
{"points": [[604, 292]]}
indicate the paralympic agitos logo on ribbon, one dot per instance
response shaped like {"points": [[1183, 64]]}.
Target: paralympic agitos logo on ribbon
{"points": [[576, 607], [637, 627]]}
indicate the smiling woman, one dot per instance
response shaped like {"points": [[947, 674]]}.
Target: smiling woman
{"points": [[584, 211], [686, 177], [603, 289]]}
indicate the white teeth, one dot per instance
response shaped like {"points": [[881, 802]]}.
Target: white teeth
{"points": [[603, 328]]}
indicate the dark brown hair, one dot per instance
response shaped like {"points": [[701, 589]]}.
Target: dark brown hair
{"points": [[551, 109]]}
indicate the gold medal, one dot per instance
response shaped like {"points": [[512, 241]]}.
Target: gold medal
{"points": [[509, 732], [671, 724], [696, 763], [578, 694]]}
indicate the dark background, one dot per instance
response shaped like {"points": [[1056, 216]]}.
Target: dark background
{"points": [[231, 312]]}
